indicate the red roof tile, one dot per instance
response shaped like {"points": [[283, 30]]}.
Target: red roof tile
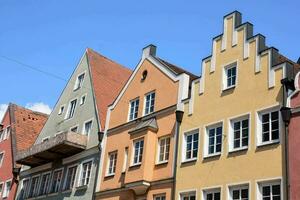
{"points": [[108, 78]]}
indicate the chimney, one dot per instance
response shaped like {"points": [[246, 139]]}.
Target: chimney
{"points": [[149, 50]]}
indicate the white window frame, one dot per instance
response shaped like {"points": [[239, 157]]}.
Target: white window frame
{"points": [[81, 98], [46, 138], [259, 114], [125, 160], [139, 152], [61, 109], [1, 134], [25, 192], [225, 77], [6, 133], [239, 186], [185, 135], [77, 79], [36, 189], [76, 126], [231, 132], [51, 182], [1, 191], [69, 107], [81, 171], [134, 110], [83, 127], [206, 153], [47, 186], [206, 191], [145, 99], [5, 193], [2, 159], [114, 163], [275, 181], [187, 193], [159, 196], [158, 161], [66, 177]]}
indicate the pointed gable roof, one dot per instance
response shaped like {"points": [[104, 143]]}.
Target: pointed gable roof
{"points": [[25, 126], [108, 78]]}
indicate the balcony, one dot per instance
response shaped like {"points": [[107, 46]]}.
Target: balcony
{"points": [[55, 148]]}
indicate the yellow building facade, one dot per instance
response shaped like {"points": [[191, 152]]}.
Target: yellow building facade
{"points": [[232, 139]]}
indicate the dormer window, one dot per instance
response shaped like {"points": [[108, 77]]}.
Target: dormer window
{"points": [[79, 82], [149, 103], [230, 76]]}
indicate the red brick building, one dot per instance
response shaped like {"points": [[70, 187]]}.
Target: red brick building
{"points": [[18, 131]]}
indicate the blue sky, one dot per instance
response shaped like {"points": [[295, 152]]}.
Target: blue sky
{"points": [[52, 35]]}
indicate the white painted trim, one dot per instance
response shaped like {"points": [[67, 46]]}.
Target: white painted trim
{"points": [[133, 151], [296, 84], [183, 146], [80, 171], [210, 190], [82, 103], [231, 120], [240, 185], [36, 190], [206, 139], [2, 159], [66, 175], [258, 127], [75, 126], [187, 192], [79, 74], [59, 109], [115, 152], [51, 182], [69, 107], [261, 182], [5, 188], [144, 102], [83, 127], [30, 171], [1, 183], [129, 108], [157, 153], [225, 68]]}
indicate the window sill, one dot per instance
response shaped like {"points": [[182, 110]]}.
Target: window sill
{"points": [[40, 197], [82, 187], [53, 194], [268, 143], [66, 191], [238, 149], [212, 155], [135, 165], [228, 88], [189, 160], [162, 163], [109, 175]]}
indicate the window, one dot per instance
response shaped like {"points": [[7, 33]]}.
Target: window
{"points": [[79, 82], [71, 110], [239, 133], [1, 158], [159, 197], [163, 149], [149, 103], [86, 173], [125, 159], [33, 191], [191, 145], [7, 188], [82, 99], [46, 139], [61, 110], [214, 194], [1, 135], [230, 76], [134, 109], [44, 183], [239, 193], [6, 133], [270, 191], [1, 189], [87, 128], [269, 122], [188, 196], [74, 129], [214, 140], [25, 188], [112, 163], [70, 179], [56, 181], [138, 151]]}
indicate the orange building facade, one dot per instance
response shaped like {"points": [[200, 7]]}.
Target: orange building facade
{"points": [[140, 135]]}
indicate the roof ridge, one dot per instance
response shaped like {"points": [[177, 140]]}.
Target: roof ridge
{"points": [[22, 107]]}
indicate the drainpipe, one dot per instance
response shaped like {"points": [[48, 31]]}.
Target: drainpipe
{"points": [[100, 137], [179, 116], [286, 116]]}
